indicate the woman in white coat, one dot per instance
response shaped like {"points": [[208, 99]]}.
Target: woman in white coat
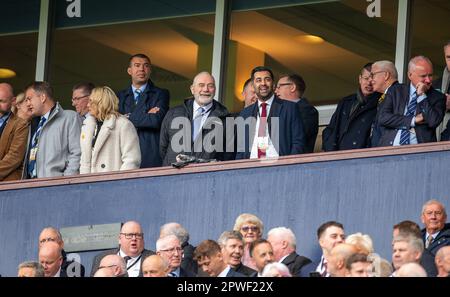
{"points": [[108, 140]]}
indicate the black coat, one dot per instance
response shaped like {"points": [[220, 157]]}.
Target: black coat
{"points": [[442, 239], [348, 130], [147, 125], [98, 258], [295, 262], [310, 119], [245, 270], [217, 115], [188, 263], [391, 116]]}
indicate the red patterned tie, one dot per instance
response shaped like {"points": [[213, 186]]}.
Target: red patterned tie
{"points": [[262, 127]]}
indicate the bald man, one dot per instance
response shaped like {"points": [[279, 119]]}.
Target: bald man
{"points": [[51, 259], [13, 137], [338, 258], [442, 260], [112, 266], [155, 266], [197, 120], [131, 248]]}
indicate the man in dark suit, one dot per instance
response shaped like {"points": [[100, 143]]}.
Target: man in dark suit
{"points": [[412, 112], [274, 127], [13, 137], [210, 259], [70, 267], [351, 124], [169, 248], [145, 105], [232, 248], [292, 87], [284, 244], [436, 233], [131, 248], [196, 127]]}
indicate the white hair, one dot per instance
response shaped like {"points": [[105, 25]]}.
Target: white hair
{"points": [[431, 202], [388, 66], [411, 270], [162, 242], [362, 240], [285, 233], [282, 269], [413, 62]]}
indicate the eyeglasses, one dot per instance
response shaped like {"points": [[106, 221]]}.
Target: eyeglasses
{"points": [[44, 240], [108, 266], [172, 250], [375, 73], [78, 98], [131, 235], [284, 84], [252, 228], [436, 213]]}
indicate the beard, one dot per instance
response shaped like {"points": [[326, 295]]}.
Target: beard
{"points": [[203, 100]]}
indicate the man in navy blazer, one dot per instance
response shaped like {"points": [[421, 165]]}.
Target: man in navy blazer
{"points": [[145, 105], [426, 117], [288, 139]]}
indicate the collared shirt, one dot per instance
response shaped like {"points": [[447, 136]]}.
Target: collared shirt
{"points": [[282, 259], [46, 116], [176, 272], [412, 137], [434, 235], [4, 119], [224, 272], [133, 265], [142, 89], [271, 151], [85, 116], [321, 267], [206, 111], [58, 274]]}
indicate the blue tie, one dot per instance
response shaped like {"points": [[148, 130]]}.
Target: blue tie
{"points": [[197, 122], [138, 96], [32, 162], [405, 135]]}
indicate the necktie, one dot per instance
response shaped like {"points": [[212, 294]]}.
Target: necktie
{"points": [[262, 128], [197, 122], [429, 241], [138, 96], [172, 274], [325, 269], [33, 151], [405, 135], [381, 99]]}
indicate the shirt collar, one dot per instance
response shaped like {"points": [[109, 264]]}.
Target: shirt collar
{"points": [[412, 89], [176, 272], [269, 101], [434, 235], [122, 254], [224, 272], [5, 116], [142, 88], [47, 115], [282, 259], [205, 108], [58, 274]]}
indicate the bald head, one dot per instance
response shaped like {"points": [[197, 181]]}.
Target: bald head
{"points": [[50, 258], [338, 258], [51, 234], [442, 261], [411, 270], [155, 266], [114, 264], [6, 98]]}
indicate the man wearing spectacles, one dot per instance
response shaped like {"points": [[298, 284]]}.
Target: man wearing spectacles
{"points": [[69, 266], [169, 248], [292, 87], [80, 98], [112, 266], [351, 123], [131, 248], [411, 112], [436, 233]]}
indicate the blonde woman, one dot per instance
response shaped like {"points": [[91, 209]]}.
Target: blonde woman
{"points": [[21, 109], [108, 140], [251, 228]]}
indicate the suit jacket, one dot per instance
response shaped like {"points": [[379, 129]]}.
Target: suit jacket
{"points": [[291, 135], [147, 125], [310, 119], [392, 117], [295, 262], [99, 257], [350, 130], [13, 144], [217, 117], [245, 270], [442, 239], [116, 147], [232, 273]]}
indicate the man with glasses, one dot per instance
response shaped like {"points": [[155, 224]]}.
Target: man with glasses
{"points": [[112, 266], [131, 249], [169, 248], [351, 123], [276, 129], [50, 258], [436, 233], [412, 112], [292, 87], [71, 267], [80, 98]]}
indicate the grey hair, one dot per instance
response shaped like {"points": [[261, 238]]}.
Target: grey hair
{"points": [[177, 230], [227, 235], [38, 269], [413, 62], [413, 241], [202, 73], [388, 66], [162, 242], [284, 233], [282, 269], [434, 201], [58, 234]]}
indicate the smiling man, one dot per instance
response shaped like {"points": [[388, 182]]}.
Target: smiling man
{"points": [[131, 248], [436, 233], [232, 248], [277, 129]]}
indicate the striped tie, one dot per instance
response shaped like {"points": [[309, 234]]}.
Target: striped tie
{"points": [[405, 135], [197, 122], [138, 96], [33, 151]]}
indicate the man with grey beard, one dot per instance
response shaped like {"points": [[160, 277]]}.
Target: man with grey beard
{"points": [[197, 127]]}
